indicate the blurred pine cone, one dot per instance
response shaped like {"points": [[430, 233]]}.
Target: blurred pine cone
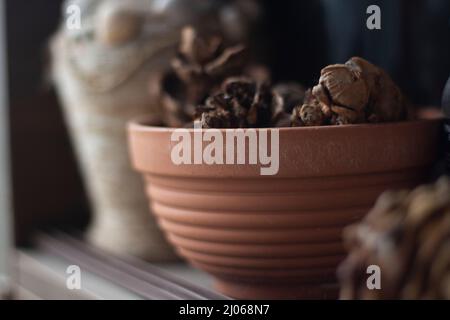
{"points": [[407, 234], [202, 63]]}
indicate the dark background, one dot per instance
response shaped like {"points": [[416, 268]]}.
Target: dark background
{"points": [[301, 37], [413, 44], [47, 188]]}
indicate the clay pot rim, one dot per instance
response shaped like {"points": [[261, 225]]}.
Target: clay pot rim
{"points": [[300, 147], [145, 124]]}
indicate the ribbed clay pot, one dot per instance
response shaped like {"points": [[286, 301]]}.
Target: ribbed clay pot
{"points": [[280, 236]]}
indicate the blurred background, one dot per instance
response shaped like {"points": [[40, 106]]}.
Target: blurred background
{"points": [[294, 38]]}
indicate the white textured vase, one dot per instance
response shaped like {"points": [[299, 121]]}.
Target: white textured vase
{"points": [[97, 121]]}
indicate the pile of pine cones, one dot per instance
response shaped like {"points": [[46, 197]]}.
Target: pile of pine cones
{"points": [[214, 83]]}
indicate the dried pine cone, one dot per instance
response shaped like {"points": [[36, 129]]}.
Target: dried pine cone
{"points": [[354, 92], [205, 59], [202, 63], [408, 236], [241, 103]]}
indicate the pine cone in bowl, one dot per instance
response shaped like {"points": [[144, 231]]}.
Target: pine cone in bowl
{"points": [[407, 234], [242, 102], [354, 92]]}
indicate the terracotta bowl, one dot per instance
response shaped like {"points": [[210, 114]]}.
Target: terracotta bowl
{"points": [[269, 237]]}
